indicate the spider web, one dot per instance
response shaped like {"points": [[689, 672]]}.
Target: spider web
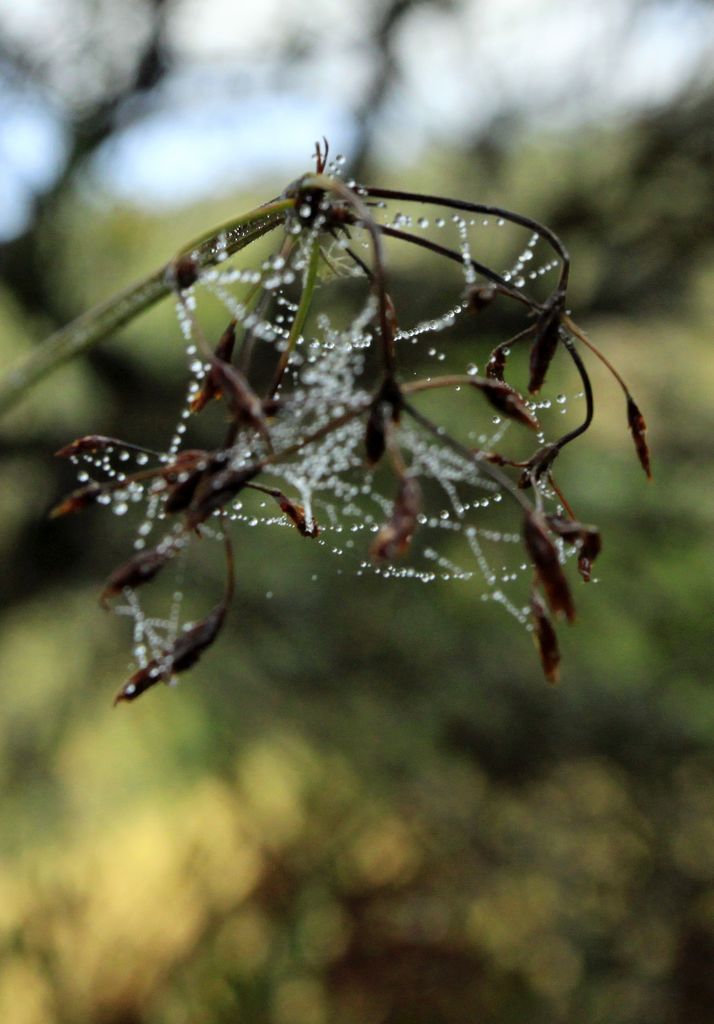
{"points": [[469, 529]]}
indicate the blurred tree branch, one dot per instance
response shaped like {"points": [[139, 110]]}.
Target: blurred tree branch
{"points": [[23, 260]]}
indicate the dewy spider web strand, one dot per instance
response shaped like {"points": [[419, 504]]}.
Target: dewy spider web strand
{"points": [[335, 442]]}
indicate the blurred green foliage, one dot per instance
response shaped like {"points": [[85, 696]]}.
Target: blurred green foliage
{"points": [[365, 806]]}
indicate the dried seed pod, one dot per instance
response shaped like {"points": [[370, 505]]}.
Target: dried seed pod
{"points": [[223, 353], [184, 475], [638, 427], [191, 644], [545, 639], [496, 365], [544, 344], [244, 404], [214, 490], [181, 493], [88, 443], [506, 400], [185, 460], [375, 438], [394, 538], [296, 513], [143, 567], [387, 403], [587, 537], [142, 680], [77, 500], [589, 550], [547, 565], [185, 652]]}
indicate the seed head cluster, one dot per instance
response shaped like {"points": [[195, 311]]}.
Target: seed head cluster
{"points": [[354, 420]]}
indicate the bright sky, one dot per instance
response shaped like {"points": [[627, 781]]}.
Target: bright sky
{"points": [[230, 113]]}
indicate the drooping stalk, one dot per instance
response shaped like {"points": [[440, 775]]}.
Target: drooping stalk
{"points": [[493, 211]]}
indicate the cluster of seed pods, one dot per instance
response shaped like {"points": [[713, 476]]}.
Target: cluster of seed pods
{"points": [[337, 405]]}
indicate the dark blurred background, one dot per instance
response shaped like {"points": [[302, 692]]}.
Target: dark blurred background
{"points": [[364, 806]]}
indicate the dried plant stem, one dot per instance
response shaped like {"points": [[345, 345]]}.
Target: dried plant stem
{"points": [[494, 211], [97, 323]]}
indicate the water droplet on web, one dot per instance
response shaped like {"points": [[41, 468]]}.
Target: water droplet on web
{"points": [[472, 369]]}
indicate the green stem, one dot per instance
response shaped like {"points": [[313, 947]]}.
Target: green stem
{"points": [[94, 325], [298, 323]]}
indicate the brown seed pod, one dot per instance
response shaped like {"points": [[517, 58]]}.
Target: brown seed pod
{"points": [[547, 565], [394, 538], [77, 500], [185, 652], [214, 490], [296, 513], [223, 353], [587, 537], [184, 475], [505, 400], [89, 443], [386, 405], [496, 365], [638, 427], [244, 404], [589, 550], [143, 567], [544, 344], [375, 438], [545, 639]]}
